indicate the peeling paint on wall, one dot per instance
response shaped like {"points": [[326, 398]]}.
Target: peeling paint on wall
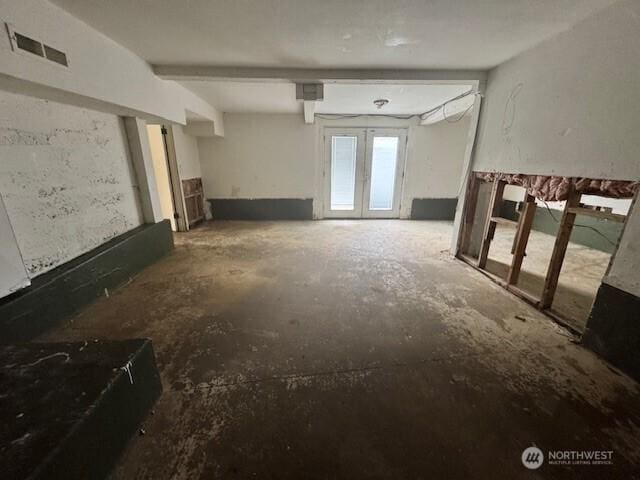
{"points": [[66, 179]]}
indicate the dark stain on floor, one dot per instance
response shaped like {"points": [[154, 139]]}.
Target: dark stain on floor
{"points": [[354, 349]]}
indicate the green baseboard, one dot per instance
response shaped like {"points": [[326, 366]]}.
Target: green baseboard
{"points": [[261, 208], [63, 291], [433, 208], [613, 329]]}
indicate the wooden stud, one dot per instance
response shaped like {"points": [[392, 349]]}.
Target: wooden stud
{"points": [[490, 225], [470, 212], [522, 237], [515, 237], [559, 250]]}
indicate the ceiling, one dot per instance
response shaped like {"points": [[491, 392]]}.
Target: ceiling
{"points": [[331, 33], [403, 99], [245, 97]]}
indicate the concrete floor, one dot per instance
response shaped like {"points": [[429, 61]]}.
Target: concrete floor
{"points": [[354, 349], [582, 272]]}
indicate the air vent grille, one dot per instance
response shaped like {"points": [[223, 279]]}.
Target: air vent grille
{"points": [[29, 44], [56, 55], [21, 42]]}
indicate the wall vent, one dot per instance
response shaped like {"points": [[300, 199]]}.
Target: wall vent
{"points": [[28, 44], [23, 43], [56, 55]]}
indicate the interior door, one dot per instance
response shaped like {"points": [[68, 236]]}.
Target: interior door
{"points": [[344, 172], [384, 170]]}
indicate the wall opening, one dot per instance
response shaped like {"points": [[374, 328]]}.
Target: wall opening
{"points": [[161, 170], [552, 254]]}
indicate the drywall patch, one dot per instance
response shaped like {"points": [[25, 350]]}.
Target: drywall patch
{"points": [[65, 177]]}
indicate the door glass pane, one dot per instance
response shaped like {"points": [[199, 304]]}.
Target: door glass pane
{"points": [[343, 172], [383, 172]]}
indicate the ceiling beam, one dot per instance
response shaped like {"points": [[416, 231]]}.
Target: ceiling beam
{"points": [[309, 111], [199, 128], [305, 75]]}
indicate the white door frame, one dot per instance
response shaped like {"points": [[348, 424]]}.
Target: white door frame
{"points": [[401, 153], [364, 155], [359, 134]]}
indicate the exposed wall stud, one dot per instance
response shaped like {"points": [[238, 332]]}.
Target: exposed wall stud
{"points": [[522, 237], [490, 224], [470, 212], [559, 250]]}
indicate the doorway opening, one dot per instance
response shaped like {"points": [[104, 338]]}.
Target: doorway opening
{"points": [[165, 168], [364, 168]]}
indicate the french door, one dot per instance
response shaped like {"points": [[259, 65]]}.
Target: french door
{"points": [[363, 172]]}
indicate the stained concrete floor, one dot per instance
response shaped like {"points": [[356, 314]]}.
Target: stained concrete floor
{"points": [[582, 271], [354, 349]]}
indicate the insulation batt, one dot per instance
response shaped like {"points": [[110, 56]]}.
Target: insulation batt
{"points": [[553, 188]]}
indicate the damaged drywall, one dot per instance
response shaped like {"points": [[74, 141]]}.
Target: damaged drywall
{"points": [[65, 177], [568, 107]]}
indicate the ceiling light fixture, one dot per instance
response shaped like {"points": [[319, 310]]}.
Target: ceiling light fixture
{"points": [[381, 102]]}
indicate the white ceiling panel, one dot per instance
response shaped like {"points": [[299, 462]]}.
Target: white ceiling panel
{"points": [[331, 33]]}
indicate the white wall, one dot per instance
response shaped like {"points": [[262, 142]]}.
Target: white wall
{"points": [[434, 161], [623, 273], [102, 74], [569, 106], [261, 156], [187, 154], [279, 156], [65, 177]]}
